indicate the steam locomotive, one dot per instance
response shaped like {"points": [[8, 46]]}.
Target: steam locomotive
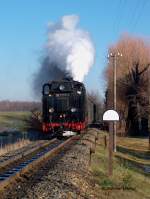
{"points": [[66, 107]]}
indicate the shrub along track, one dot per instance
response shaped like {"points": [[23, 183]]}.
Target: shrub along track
{"points": [[17, 167]]}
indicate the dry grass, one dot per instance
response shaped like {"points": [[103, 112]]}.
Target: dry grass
{"points": [[133, 143], [12, 147], [125, 182]]}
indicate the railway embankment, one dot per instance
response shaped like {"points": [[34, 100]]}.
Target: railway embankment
{"points": [[72, 174]]}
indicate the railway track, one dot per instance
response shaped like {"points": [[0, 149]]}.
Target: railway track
{"points": [[9, 160], [24, 149], [18, 166]]}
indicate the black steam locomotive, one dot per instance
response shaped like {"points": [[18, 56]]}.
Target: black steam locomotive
{"points": [[66, 106]]}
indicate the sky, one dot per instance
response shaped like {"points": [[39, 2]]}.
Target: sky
{"points": [[23, 34]]}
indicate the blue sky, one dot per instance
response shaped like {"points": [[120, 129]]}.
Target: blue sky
{"points": [[23, 33]]}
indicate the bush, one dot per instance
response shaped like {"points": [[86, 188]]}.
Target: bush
{"points": [[106, 183]]}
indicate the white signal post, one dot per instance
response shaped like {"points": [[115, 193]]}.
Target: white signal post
{"points": [[110, 116], [149, 104]]}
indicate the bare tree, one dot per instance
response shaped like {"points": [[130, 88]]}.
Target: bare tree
{"points": [[132, 81]]}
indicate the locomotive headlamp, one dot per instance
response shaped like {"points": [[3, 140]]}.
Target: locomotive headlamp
{"points": [[51, 110], [79, 92], [61, 87], [73, 110]]}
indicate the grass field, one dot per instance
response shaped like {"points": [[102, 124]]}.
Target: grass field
{"points": [[13, 120], [125, 182]]}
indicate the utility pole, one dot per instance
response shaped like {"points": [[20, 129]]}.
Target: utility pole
{"points": [[114, 57], [149, 104], [115, 127]]}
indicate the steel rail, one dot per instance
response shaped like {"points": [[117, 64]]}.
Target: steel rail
{"points": [[37, 160], [9, 160]]}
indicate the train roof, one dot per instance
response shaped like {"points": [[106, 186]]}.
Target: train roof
{"points": [[64, 85], [67, 80]]}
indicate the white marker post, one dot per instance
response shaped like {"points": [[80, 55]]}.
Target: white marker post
{"points": [[110, 116]]}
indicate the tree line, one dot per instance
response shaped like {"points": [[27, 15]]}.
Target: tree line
{"points": [[7, 105]]}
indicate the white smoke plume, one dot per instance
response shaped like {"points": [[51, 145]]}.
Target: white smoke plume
{"points": [[69, 51]]}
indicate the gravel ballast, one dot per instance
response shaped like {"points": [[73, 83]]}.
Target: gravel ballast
{"points": [[66, 176]]}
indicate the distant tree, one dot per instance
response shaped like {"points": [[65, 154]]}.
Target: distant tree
{"points": [[7, 105]]}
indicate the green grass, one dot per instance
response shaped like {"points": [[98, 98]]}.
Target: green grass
{"points": [[121, 179], [124, 183], [15, 120]]}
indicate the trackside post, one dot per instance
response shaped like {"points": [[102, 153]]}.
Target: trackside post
{"points": [[110, 116]]}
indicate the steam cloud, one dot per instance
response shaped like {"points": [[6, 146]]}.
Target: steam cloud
{"points": [[69, 52]]}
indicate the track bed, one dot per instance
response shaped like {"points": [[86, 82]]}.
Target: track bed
{"points": [[29, 161]]}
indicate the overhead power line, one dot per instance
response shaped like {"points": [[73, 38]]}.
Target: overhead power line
{"points": [[118, 15], [139, 11]]}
